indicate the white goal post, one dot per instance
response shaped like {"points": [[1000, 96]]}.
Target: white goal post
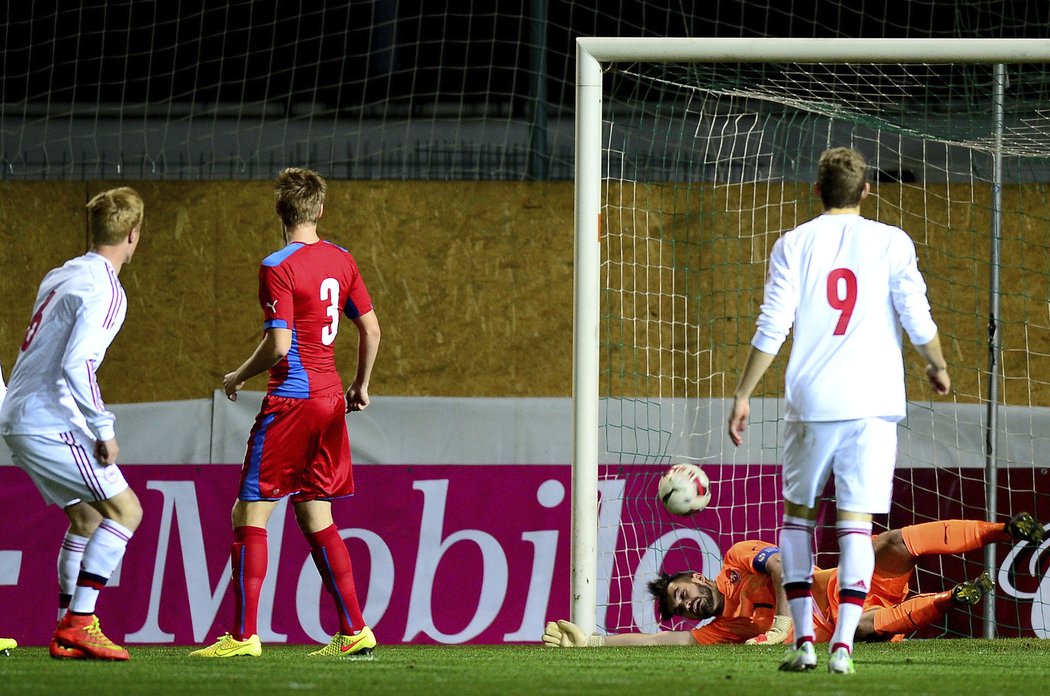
{"points": [[592, 55]]}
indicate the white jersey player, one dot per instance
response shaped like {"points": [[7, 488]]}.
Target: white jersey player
{"points": [[79, 309], [851, 283], [848, 285], [58, 427]]}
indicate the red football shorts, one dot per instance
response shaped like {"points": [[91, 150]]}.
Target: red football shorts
{"points": [[298, 447]]}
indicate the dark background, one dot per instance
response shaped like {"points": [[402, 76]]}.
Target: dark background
{"points": [[410, 54]]}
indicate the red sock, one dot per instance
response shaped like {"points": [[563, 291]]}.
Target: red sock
{"points": [[333, 563], [912, 614], [249, 555]]}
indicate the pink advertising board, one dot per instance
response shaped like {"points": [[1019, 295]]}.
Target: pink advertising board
{"points": [[442, 553]]}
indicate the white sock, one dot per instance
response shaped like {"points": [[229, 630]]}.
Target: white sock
{"points": [[856, 565], [103, 553], [69, 557], [845, 625], [796, 556]]}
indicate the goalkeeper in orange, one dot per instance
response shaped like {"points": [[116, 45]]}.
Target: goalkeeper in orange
{"points": [[748, 604]]}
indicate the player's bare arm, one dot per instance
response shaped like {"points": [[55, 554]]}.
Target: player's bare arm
{"points": [[369, 336], [274, 346], [757, 363], [565, 634], [661, 638]]}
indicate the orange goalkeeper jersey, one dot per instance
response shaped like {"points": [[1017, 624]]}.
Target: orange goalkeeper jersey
{"points": [[750, 599], [749, 595]]}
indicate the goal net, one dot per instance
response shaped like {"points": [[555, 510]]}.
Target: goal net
{"points": [[694, 167]]}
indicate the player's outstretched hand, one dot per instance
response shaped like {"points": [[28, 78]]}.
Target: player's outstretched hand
{"points": [[776, 634], [566, 634], [554, 637]]}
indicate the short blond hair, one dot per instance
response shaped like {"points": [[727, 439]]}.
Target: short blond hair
{"points": [[841, 173], [299, 196], [113, 214]]}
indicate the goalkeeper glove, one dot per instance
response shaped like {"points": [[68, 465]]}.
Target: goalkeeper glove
{"points": [[566, 634], [776, 634]]}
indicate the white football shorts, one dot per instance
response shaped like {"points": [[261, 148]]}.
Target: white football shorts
{"points": [[860, 453], [64, 467]]}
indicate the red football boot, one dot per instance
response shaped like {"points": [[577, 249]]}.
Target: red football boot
{"points": [[83, 633]]}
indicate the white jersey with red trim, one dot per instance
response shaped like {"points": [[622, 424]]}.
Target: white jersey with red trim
{"points": [[848, 285], [79, 309]]}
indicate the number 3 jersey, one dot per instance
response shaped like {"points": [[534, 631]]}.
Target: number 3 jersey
{"points": [[78, 311], [306, 288], [848, 284]]}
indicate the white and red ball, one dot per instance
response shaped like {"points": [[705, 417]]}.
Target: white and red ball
{"points": [[685, 489]]}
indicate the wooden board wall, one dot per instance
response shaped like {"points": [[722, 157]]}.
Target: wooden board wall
{"points": [[472, 281]]}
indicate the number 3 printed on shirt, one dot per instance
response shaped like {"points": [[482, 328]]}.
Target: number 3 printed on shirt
{"points": [[842, 296], [330, 294]]}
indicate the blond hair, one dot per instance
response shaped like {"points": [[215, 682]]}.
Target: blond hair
{"points": [[299, 196], [841, 174], [113, 214]]}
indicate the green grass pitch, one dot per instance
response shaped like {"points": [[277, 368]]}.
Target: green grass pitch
{"points": [[1018, 667]]}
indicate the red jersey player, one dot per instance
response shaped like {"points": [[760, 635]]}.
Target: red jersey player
{"points": [[299, 444], [745, 602]]}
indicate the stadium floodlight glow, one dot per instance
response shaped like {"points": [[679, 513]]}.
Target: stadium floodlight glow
{"points": [[680, 140]]}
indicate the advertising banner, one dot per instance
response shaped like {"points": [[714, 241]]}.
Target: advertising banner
{"points": [[442, 553]]}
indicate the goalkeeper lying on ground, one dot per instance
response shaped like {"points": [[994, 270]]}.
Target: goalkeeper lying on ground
{"points": [[749, 606]]}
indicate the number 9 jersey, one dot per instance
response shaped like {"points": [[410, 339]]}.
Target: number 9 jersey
{"points": [[848, 284], [305, 288]]}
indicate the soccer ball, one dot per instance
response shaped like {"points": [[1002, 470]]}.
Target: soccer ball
{"points": [[685, 489]]}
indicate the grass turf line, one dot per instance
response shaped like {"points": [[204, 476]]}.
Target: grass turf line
{"points": [[950, 667]]}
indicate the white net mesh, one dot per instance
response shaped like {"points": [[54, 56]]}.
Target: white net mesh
{"points": [[471, 89], [705, 166]]}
